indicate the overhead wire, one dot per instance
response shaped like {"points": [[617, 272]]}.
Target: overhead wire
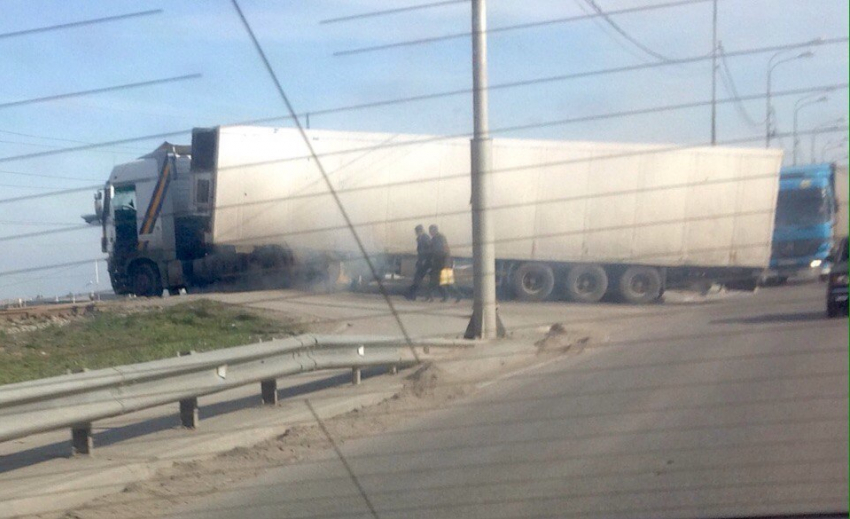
{"points": [[385, 12], [614, 37], [80, 23], [610, 115], [44, 175], [33, 222], [61, 139], [732, 89], [631, 39], [514, 84], [648, 151], [521, 26], [101, 90]]}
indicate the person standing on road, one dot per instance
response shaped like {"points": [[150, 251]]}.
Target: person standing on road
{"points": [[440, 259], [423, 261]]}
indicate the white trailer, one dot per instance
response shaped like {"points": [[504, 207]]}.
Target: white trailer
{"points": [[582, 219]]}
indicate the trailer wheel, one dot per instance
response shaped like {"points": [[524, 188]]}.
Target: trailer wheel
{"points": [[533, 281], [586, 283], [146, 282], [640, 285]]}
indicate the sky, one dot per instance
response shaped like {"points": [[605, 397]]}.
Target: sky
{"points": [[205, 38]]}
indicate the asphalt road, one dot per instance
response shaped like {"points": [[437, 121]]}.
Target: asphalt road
{"points": [[735, 407]]}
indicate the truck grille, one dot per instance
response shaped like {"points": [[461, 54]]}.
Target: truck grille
{"points": [[796, 248]]}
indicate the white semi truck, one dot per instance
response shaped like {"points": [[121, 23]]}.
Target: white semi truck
{"points": [[576, 219]]}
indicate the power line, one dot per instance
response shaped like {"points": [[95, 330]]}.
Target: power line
{"points": [[613, 36], [113, 88], [77, 227], [438, 138], [49, 267], [386, 12], [729, 83], [81, 23], [42, 175], [52, 193], [607, 18], [514, 128], [18, 186], [60, 139], [514, 84], [108, 151], [34, 222], [522, 26], [555, 122]]}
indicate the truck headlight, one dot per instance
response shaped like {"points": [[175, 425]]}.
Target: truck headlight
{"points": [[815, 263]]}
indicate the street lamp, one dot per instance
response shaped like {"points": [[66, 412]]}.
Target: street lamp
{"points": [[799, 105], [770, 66], [831, 146], [834, 122]]}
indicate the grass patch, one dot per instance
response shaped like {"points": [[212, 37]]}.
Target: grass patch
{"points": [[111, 338]]}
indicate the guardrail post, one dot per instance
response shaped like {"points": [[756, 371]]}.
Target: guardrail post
{"points": [[268, 388], [81, 440], [189, 413], [355, 376]]}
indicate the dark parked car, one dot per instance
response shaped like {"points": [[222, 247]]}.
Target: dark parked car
{"points": [[836, 291]]}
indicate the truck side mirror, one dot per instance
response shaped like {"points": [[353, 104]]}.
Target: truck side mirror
{"points": [[98, 205]]}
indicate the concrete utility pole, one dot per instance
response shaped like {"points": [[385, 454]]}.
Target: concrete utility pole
{"points": [[770, 66], [484, 321], [714, 77]]}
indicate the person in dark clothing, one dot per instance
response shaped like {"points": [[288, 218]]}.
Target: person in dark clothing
{"points": [[423, 261], [440, 259]]}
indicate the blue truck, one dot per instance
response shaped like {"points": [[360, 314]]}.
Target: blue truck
{"points": [[806, 214]]}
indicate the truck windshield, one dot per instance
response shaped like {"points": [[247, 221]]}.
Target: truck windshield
{"points": [[124, 198], [802, 207]]}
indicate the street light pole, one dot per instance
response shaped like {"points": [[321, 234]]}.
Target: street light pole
{"points": [[831, 145], [484, 321], [714, 77], [799, 105], [770, 66], [814, 137]]}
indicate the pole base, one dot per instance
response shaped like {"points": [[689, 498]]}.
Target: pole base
{"points": [[475, 325]]}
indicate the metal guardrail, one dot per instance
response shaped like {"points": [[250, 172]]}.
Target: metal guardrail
{"points": [[77, 400]]}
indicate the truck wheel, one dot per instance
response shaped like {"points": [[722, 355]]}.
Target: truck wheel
{"points": [[640, 285], [831, 309], [586, 283], [533, 281], [146, 282]]}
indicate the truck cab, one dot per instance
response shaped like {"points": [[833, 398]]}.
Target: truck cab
{"points": [[139, 206], [805, 220]]}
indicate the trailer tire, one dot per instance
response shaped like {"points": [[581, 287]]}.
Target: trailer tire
{"points": [[831, 310], [586, 283], [533, 281], [145, 279], [640, 285]]}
